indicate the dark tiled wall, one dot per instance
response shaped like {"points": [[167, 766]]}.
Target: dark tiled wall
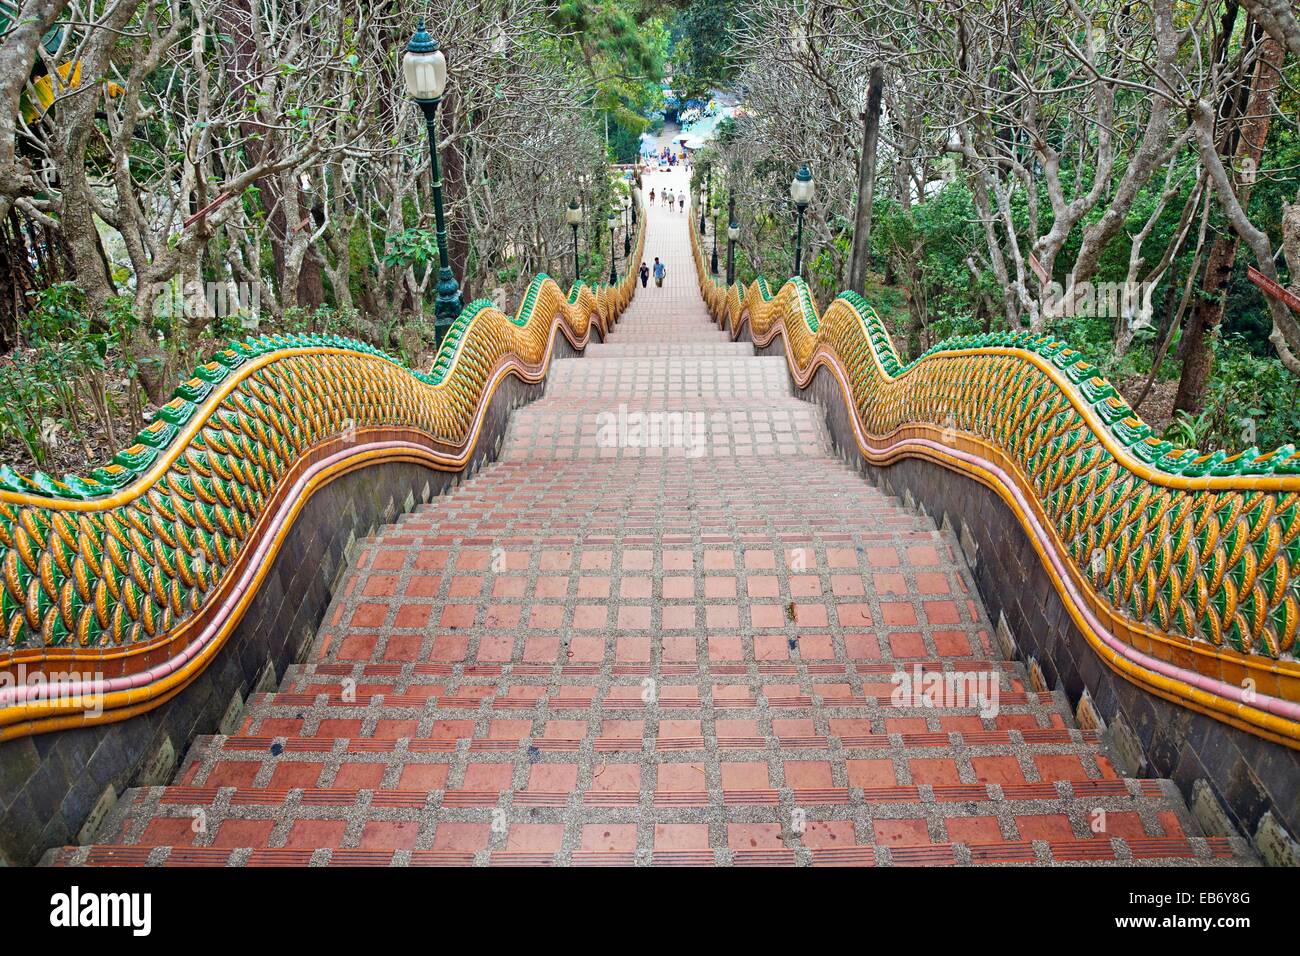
{"points": [[1248, 776], [51, 783]]}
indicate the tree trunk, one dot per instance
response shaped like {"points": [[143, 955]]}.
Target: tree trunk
{"points": [[454, 189], [79, 229], [861, 256], [18, 47]]}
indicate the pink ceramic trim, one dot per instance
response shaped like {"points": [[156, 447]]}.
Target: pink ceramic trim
{"points": [[1221, 689], [30, 693]]}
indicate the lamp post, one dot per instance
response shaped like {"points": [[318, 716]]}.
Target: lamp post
{"points": [[627, 226], [702, 202], [573, 216], [801, 191], [584, 183], [424, 67], [733, 233], [612, 222], [713, 262]]}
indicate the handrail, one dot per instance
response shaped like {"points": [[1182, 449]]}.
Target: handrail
{"points": [[141, 570], [1181, 569]]}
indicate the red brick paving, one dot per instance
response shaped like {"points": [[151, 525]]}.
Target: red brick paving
{"points": [[681, 653]]}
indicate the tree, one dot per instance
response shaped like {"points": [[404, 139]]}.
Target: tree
{"points": [[1243, 129], [19, 42], [704, 45], [268, 146], [861, 257]]}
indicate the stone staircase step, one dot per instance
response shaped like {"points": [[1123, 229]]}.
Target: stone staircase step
{"points": [[677, 429], [613, 349], [1194, 851], [655, 337], [627, 653], [682, 377]]}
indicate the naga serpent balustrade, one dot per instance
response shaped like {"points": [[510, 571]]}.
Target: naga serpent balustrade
{"points": [[138, 573], [1181, 569]]}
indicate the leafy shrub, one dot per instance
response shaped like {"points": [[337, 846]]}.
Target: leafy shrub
{"points": [[61, 381]]}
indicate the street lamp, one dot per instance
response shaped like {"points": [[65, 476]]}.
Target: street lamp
{"points": [[713, 262], [573, 216], [424, 67], [612, 222], [627, 227], [733, 233], [801, 191], [702, 201]]}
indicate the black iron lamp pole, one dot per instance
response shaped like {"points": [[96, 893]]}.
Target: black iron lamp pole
{"points": [[733, 233], [801, 191], [627, 227], [713, 262], [613, 224], [702, 202], [573, 216], [424, 68]]}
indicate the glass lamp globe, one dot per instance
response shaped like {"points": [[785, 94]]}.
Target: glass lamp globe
{"points": [[801, 187], [424, 67]]}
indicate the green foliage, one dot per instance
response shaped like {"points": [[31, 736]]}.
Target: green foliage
{"points": [[621, 55], [932, 241], [1254, 401], [1245, 310], [44, 391], [703, 46], [1189, 431], [411, 247], [325, 319], [824, 266], [23, 394], [624, 140], [890, 303]]}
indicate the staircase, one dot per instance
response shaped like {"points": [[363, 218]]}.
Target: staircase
{"points": [[663, 628]]}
